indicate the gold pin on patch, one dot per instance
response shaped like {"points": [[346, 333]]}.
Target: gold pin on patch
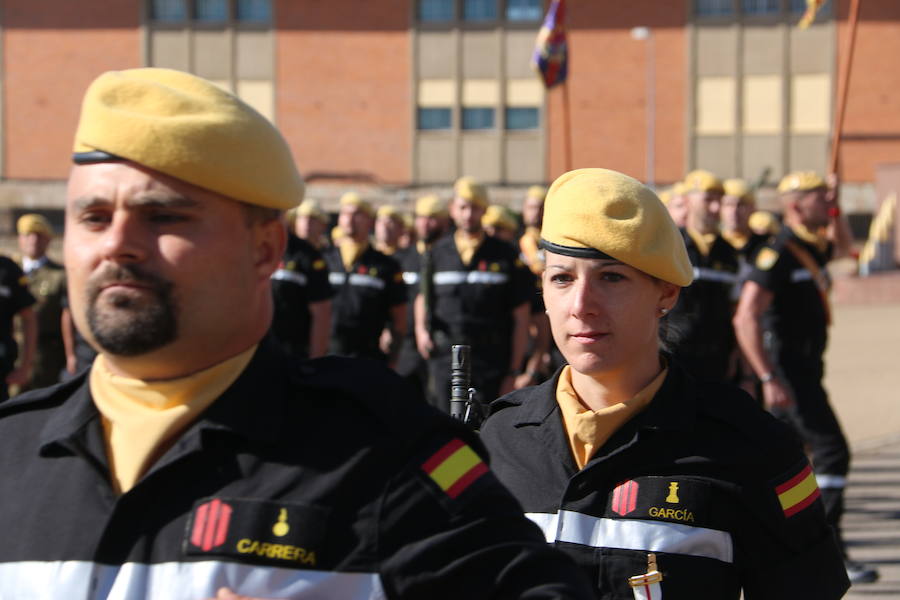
{"points": [[281, 528], [672, 498]]}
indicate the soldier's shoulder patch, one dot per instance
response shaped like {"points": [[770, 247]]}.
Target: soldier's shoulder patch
{"points": [[318, 264], [797, 489], [766, 258], [454, 467], [398, 276], [23, 280]]}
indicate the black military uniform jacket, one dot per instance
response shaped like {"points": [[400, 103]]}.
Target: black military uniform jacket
{"points": [[473, 303], [702, 316], [316, 479], [300, 280], [364, 296], [797, 315], [718, 489], [14, 296]]}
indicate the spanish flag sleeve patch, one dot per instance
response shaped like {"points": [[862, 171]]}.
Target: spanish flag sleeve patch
{"points": [[454, 467], [798, 492]]}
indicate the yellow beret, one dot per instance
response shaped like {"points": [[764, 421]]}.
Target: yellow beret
{"points": [[388, 210], [430, 206], [469, 189], [537, 191], [702, 181], [311, 208], [739, 188], [354, 199], [678, 189], [34, 223], [598, 213], [801, 181], [762, 221], [499, 216], [665, 196], [188, 128]]}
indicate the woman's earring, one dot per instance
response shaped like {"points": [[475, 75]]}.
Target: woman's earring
{"points": [[663, 311]]}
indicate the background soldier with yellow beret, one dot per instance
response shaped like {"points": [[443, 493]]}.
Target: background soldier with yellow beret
{"points": [[311, 224], [481, 291], [369, 291], [782, 324], [195, 453], [388, 229], [532, 217], [47, 283], [701, 320], [658, 485]]}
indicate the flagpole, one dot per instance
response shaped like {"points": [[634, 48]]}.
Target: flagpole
{"points": [[567, 128], [844, 87]]}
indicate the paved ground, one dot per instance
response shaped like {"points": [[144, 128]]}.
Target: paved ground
{"points": [[863, 366]]}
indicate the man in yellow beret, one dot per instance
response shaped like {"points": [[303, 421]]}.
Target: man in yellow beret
{"points": [[388, 229], [786, 297], [480, 298], [706, 346], [369, 291], [532, 216], [430, 223], [738, 204], [677, 204], [47, 283], [311, 224], [195, 453]]}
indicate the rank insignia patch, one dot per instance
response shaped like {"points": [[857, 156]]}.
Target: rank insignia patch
{"points": [[798, 492], [259, 531], [766, 259], [455, 467], [624, 498]]}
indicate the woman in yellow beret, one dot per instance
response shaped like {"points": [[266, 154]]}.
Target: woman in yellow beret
{"points": [[659, 486]]}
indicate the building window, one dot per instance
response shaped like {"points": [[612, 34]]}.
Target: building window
{"points": [[431, 119], [254, 11], [211, 11], [520, 118], [523, 10], [710, 8], [168, 10], [760, 7], [433, 11], [477, 118], [480, 10]]}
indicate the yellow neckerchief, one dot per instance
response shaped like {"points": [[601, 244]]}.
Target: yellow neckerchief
{"points": [[421, 246], [703, 241], [385, 249], [528, 245], [351, 251], [467, 245], [588, 429], [810, 237], [737, 239], [140, 418]]}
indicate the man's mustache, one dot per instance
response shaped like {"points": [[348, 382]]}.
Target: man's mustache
{"points": [[126, 274]]}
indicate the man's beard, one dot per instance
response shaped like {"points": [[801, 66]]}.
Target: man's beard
{"points": [[123, 326]]}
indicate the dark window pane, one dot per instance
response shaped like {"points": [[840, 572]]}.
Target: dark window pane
{"points": [[759, 7], [799, 7], [433, 118], [480, 10], [524, 10], [713, 7], [478, 118], [168, 10], [522, 118], [254, 11], [436, 10], [211, 11]]}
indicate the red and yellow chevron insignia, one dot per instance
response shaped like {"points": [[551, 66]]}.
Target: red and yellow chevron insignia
{"points": [[455, 467], [798, 492]]}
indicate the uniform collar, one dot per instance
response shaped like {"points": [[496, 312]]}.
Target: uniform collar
{"points": [[248, 409]]}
